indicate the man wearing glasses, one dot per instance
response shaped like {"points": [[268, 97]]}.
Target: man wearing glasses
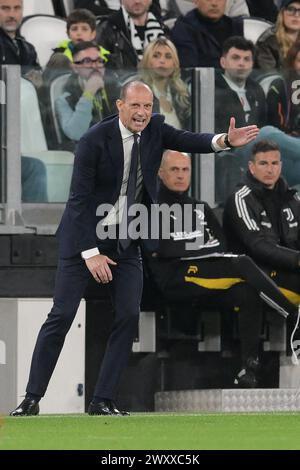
{"points": [[86, 99]]}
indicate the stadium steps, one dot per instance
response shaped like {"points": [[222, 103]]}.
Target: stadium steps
{"points": [[229, 400]]}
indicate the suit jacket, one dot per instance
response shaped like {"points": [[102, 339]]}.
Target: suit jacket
{"points": [[98, 174]]}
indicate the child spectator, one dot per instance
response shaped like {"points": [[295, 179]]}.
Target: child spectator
{"points": [[81, 26]]}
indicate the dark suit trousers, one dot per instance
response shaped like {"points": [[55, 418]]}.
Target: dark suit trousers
{"points": [[71, 281]]}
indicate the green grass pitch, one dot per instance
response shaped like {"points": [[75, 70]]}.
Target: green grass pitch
{"points": [[153, 431]]}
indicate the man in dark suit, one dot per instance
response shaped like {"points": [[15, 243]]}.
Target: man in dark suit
{"points": [[103, 174]]}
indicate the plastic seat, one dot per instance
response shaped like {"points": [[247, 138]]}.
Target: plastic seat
{"points": [[59, 164], [35, 7], [170, 22], [266, 80], [68, 6], [56, 90], [181, 7], [44, 32], [254, 27]]}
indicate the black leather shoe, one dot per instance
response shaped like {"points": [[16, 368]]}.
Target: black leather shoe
{"points": [[245, 379], [105, 407], [28, 407]]}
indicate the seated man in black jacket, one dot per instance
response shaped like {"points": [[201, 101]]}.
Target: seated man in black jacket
{"points": [[191, 263], [262, 219], [199, 34], [14, 50]]}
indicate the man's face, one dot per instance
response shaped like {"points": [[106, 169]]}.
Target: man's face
{"points": [[136, 109], [11, 13], [79, 32], [238, 64], [175, 171], [211, 9], [136, 8], [86, 62], [266, 167]]}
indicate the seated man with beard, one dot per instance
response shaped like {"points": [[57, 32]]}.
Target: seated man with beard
{"points": [[86, 99]]}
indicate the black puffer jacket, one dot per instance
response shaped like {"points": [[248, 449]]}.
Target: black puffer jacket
{"points": [[198, 225], [9, 55], [264, 223], [199, 41]]}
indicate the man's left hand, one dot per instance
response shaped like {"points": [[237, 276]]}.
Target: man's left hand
{"points": [[242, 135]]}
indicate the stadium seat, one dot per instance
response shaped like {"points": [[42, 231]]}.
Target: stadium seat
{"points": [[44, 32], [35, 7], [68, 6], [181, 6], [254, 27], [56, 90], [266, 80], [59, 164], [170, 22]]}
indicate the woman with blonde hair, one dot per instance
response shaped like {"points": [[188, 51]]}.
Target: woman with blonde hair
{"points": [[160, 69], [273, 45], [283, 95]]}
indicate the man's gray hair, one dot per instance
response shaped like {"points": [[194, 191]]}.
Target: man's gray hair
{"points": [[133, 84]]}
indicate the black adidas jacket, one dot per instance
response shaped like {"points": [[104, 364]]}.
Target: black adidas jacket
{"points": [[204, 232], [264, 223]]}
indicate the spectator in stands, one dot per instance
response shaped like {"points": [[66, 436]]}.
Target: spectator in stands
{"points": [[86, 99], [127, 32], [235, 8], [266, 9], [33, 180], [262, 220], [81, 26], [106, 7], [237, 95], [283, 95], [160, 69], [274, 44], [190, 263], [14, 50], [199, 34]]}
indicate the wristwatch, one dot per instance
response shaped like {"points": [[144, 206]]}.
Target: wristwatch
{"points": [[226, 141]]}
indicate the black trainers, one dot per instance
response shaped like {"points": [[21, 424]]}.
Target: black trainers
{"points": [[246, 378]]}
